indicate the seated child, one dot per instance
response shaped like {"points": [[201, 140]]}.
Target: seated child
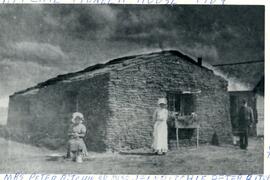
{"points": [[76, 146]]}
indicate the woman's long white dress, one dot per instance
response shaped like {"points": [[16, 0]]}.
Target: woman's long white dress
{"points": [[160, 134]]}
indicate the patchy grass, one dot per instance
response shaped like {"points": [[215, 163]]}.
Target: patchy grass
{"points": [[204, 160]]}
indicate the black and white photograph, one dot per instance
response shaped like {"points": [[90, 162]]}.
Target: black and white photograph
{"points": [[132, 89]]}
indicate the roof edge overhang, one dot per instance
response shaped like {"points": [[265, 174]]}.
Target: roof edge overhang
{"points": [[112, 62]]}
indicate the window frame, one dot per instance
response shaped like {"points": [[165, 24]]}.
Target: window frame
{"points": [[177, 98]]}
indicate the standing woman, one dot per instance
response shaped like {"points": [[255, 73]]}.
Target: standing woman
{"points": [[160, 117]]}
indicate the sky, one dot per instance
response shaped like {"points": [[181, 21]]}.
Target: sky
{"points": [[38, 42]]}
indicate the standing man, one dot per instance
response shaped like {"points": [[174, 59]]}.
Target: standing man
{"points": [[246, 118]]}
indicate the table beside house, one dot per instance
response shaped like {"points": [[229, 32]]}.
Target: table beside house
{"points": [[180, 125]]}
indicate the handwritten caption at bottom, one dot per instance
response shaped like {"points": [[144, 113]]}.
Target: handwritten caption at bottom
{"points": [[21, 176]]}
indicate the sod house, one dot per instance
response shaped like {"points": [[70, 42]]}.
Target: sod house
{"points": [[118, 99]]}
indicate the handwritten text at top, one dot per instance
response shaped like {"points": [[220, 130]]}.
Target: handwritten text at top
{"points": [[168, 2], [211, 2]]}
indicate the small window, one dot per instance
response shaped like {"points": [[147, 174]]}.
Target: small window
{"points": [[24, 107], [184, 103], [71, 101]]}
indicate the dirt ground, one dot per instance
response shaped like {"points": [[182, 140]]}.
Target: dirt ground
{"points": [[207, 159]]}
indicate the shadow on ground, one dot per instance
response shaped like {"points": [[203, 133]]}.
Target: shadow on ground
{"points": [[207, 159]]}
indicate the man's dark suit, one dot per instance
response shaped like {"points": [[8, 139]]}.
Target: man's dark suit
{"points": [[246, 118]]}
